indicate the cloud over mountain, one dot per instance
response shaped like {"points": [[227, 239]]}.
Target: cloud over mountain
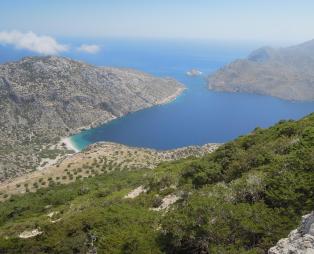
{"points": [[41, 44], [89, 48]]}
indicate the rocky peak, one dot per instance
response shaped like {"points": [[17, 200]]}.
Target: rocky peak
{"points": [[262, 54]]}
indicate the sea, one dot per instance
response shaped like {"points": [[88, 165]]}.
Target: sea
{"points": [[196, 117]]}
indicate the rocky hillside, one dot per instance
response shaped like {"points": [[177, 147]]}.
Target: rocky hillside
{"points": [[45, 98], [99, 158], [287, 73], [241, 198]]}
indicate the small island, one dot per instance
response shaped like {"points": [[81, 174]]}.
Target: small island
{"points": [[193, 73]]}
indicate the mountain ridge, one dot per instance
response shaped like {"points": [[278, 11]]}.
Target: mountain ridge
{"points": [[286, 73]]}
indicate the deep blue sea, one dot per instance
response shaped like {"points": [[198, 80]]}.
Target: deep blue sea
{"points": [[196, 117]]}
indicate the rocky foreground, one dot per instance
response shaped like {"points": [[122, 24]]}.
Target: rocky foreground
{"points": [[287, 73], [299, 241], [45, 98]]}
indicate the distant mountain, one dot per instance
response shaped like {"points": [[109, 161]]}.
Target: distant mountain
{"points": [[45, 98], [287, 73]]}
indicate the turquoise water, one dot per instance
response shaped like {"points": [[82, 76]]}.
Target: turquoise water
{"points": [[198, 116]]}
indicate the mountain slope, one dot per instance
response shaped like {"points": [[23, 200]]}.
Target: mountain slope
{"points": [[96, 159], [45, 98], [240, 199], [287, 73]]}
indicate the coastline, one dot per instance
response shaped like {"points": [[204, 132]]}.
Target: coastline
{"points": [[171, 97], [69, 144]]}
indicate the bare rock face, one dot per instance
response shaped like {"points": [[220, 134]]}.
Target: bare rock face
{"points": [[45, 98], [287, 73], [299, 241]]}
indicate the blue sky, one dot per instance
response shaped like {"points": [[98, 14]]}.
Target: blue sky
{"points": [[264, 20]]}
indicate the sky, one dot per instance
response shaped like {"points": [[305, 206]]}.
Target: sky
{"points": [[254, 20]]}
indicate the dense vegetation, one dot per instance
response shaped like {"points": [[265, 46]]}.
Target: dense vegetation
{"points": [[242, 198]]}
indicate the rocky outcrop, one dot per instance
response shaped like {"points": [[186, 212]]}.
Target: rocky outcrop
{"points": [[299, 241], [287, 73], [45, 98]]}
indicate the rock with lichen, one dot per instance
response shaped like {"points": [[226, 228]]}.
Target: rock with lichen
{"points": [[299, 241]]}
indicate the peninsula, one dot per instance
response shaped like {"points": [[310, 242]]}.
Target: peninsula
{"points": [[45, 98], [286, 73]]}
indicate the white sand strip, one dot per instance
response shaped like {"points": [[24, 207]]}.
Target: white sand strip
{"points": [[69, 144]]}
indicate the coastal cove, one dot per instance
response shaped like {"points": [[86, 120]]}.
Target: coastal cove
{"points": [[162, 127], [214, 122], [196, 117]]}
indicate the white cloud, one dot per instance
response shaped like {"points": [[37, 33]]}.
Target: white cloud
{"points": [[41, 44], [89, 48]]}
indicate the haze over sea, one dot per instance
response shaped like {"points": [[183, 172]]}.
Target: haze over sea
{"points": [[196, 117]]}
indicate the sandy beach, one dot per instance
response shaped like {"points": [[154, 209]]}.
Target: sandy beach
{"points": [[69, 144]]}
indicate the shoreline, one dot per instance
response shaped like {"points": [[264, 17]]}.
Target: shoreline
{"points": [[171, 97], [69, 144]]}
